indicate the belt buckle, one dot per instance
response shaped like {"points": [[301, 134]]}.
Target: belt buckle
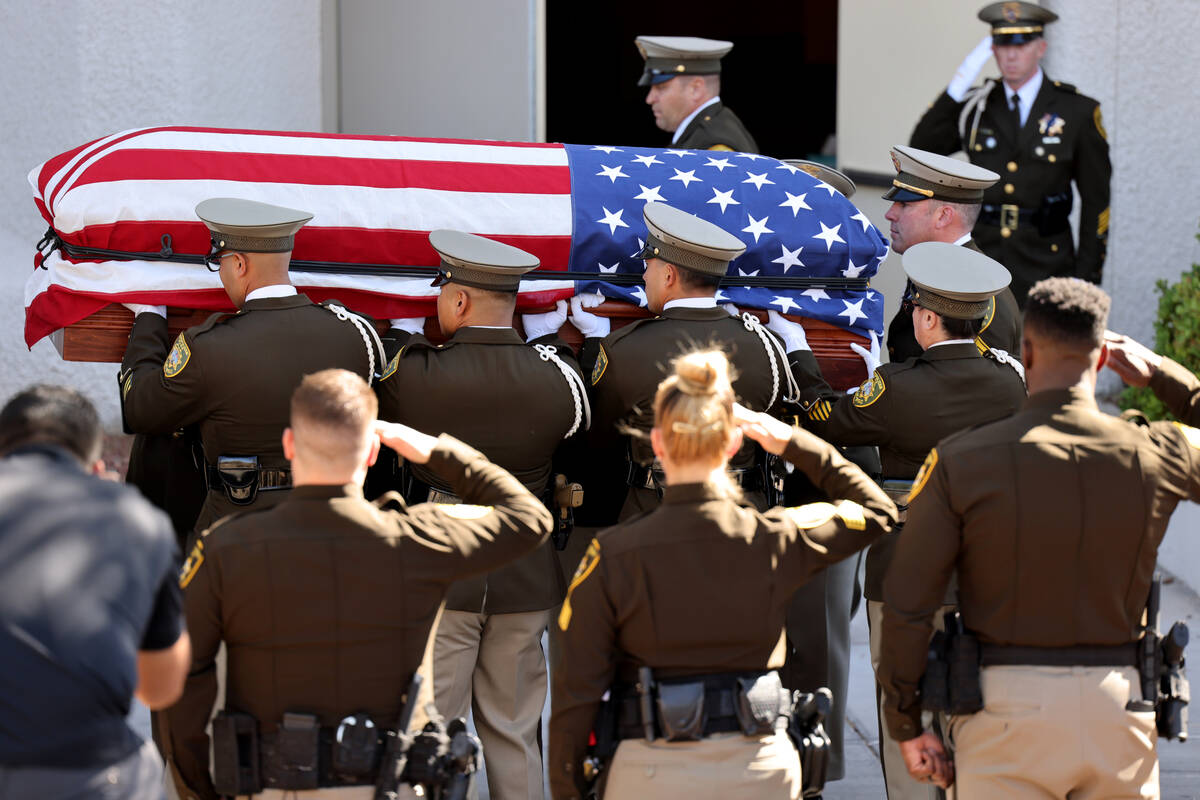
{"points": [[1009, 216]]}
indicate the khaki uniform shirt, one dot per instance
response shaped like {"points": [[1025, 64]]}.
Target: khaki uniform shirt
{"points": [[490, 389], [1052, 518], [700, 585], [234, 376], [325, 602], [905, 409]]}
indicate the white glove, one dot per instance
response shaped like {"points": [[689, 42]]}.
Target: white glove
{"points": [[142, 308], [869, 357], [792, 333], [732, 309], [969, 69], [410, 324], [539, 325], [590, 325]]}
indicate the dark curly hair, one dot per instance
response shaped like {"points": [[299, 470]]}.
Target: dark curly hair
{"points": [[1068, 309]]}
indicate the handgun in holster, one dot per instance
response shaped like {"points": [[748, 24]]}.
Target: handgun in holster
{"points": [[602, 744], [566, 498], [1162, 669], [806, 729]]}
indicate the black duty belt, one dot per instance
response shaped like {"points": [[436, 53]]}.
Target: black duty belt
{"points": [[1006, 215], [326, 776], [268, 478], [1117, 655], [720, 707]]}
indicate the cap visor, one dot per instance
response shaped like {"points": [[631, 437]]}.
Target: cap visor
{"points": [[899, 195], [1014, 38]]}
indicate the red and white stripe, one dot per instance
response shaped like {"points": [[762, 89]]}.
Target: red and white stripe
{"points": [[374, 200]]}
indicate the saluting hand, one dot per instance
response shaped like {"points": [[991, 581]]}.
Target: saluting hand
{"points": [[1133, 361], [927, 760], [410, 443], [771, 433]]}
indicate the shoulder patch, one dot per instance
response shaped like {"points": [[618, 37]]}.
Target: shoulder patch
{"points": [[178, 358], [601, 365], [587, 565], [922, 478], [192, 564], [464, 511], [390, 370], [1099, 124], [1191, 434], [871, 390]]}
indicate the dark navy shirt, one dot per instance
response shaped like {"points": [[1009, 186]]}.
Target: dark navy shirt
{"points": [[88, 577]]}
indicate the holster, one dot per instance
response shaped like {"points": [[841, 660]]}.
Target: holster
{"points": [[239, 478], [758, 703], [952, 681], [806, 729], [681, 712], [235, 754]]}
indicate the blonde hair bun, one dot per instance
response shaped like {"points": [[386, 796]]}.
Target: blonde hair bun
{"points": [[702, 373]]}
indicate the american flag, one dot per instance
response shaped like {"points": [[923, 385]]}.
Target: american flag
{"points": [[375, 198]]}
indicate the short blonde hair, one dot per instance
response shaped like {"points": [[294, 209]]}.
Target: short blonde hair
{"points": [[332, 414], [693, 407]]}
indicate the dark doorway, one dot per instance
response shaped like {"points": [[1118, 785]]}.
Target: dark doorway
{"points": [[780, 77]]}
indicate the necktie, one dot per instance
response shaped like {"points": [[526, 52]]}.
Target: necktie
{"points": [[1016, 111]]}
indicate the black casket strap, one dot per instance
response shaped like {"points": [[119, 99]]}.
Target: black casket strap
{"points": [[53, 241]]}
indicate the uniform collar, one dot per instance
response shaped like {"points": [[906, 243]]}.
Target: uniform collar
{"points": [[475, 334], [1058, 398], [949, 350], [264, 303], [683, 493], [691, 302], [688, 119], [324, 491], [1028, 93], [274, 290], [684, 312]]}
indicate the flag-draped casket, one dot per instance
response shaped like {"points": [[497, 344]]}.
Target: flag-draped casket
{"points": [[121, 213]]}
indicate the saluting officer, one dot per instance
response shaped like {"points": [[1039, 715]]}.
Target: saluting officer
{"points": [[1052, 520], [487, 653], [1174, 384], [906, 407], [937, 199], [1041, 135], [232, 375], [643, 599], [686, 258], [325, 602], [684, 76]]}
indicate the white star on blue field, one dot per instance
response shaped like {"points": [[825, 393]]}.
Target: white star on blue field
{"points": [[793, 225]]}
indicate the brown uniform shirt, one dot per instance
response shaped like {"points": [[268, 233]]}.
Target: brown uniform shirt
{"points": [[234, 376], [490, 389], [717, 128], [1052, 519], [905, 409], [1179, 390], [633, 360], [699, 585], [325, 602]]}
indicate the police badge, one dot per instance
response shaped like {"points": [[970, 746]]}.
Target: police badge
{"points": [[177, 359]]}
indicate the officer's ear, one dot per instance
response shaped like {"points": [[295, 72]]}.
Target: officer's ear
{"points": [[1103, 357], [374, 452], [289, 444], [656, 443], [735, 443]]}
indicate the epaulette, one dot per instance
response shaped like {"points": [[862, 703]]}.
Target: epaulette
{"points": [[213, 320], [621, 333], [1065, 87]]}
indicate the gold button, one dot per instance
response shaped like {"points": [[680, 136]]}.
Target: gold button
{"points": [[1053, 248], [1052, 158], [1006, 232], [1012, 166], [978, 147], [1009, 188]]}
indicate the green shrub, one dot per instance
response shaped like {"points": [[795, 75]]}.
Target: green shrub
{"points": [[1176, 335]]}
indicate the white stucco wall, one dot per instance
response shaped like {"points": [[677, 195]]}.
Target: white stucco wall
{"points": [[76, 70]]}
